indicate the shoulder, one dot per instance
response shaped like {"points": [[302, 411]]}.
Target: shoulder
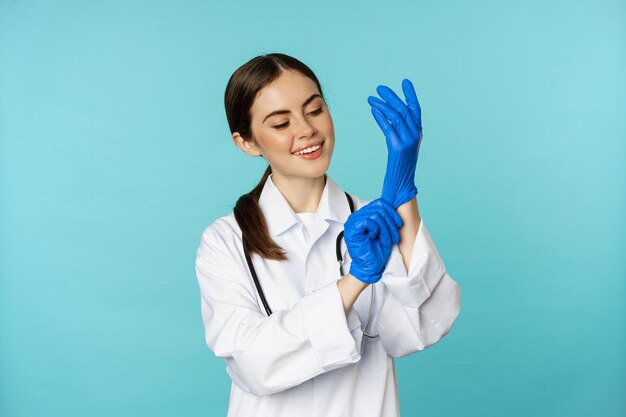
{"points": [[222, 235], [220, 252]]}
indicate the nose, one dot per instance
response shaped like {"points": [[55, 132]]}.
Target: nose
{"points": [[305, 129]]}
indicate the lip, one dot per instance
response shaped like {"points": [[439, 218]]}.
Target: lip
{"points": [[313, 155], [308, 146]]}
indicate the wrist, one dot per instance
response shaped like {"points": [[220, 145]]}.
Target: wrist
{"points": [[400, 195], [350, 288], [362, 276], [353, 283]]}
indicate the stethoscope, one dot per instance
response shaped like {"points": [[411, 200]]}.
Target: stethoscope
{"points": [[339, 261]]}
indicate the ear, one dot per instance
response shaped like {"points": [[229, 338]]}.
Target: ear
{"points": [[248, 146]]}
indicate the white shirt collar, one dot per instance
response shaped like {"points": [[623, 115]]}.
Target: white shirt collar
{"points": [[280, 216]]}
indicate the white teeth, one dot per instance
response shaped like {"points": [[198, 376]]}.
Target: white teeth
{"points": [[308, 150]]}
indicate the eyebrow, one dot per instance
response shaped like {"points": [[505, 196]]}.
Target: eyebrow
{"points": [[307, 101]]}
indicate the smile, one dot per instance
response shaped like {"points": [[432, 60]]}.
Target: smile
{"points": [[309, 149], [312, 152]]}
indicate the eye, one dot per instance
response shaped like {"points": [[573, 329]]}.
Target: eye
{"points": [[284, 125]]}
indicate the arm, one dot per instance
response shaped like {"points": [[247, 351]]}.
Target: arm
{"points": [[408, 232], [265, 355], [350, 289], [419, 303]]}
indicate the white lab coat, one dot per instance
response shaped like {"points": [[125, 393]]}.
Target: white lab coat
{"points": [[308, 358]]}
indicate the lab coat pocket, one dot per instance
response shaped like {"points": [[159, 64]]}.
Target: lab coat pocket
{"points": [[373, 357]]}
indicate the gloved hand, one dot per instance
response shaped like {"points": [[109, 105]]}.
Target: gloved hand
{"points": [[370, 233], [403, 135]]}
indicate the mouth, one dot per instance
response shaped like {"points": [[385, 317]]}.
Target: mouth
{"points": [[312, 152]]}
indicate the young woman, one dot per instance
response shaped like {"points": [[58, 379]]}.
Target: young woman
{"points": [[301, 333]]}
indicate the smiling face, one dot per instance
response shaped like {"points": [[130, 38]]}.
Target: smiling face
{"points": [[289, 115]]}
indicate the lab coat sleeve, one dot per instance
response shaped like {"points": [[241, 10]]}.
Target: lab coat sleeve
{"points": [[265, 355], [420, 305]]}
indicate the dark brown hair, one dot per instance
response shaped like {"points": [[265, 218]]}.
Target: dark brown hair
{"points": [[241, 91]]}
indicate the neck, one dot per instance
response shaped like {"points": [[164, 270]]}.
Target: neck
{"points": [[302, 194]]}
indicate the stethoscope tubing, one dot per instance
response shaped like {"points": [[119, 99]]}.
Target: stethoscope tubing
{"points": [[257, 284]]}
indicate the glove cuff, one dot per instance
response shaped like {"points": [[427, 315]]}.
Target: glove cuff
{"points": [[364, 277], [405, 196]]}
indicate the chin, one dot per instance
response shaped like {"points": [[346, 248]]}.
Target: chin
{"points": [[313, 172]]}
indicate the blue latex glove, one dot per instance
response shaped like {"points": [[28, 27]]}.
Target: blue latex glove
{"points": [[402, 126], [370, 233]]}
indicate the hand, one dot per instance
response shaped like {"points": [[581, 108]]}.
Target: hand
{"points": [[370, 233], [402, 126]]}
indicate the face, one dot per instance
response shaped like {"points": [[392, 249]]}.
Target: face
{"points": [[289, 115]]}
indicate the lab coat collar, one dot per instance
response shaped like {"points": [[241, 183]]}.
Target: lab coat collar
{"points": [[279, 215]]}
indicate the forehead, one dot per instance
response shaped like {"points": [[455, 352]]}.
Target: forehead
{"points": [[289, 90]]}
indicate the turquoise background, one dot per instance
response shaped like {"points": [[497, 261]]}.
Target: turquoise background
{"points": [[115, 155]]}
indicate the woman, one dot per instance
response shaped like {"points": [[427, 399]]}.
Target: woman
{"points": [[299, 336]]}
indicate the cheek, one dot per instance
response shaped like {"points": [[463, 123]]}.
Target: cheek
{"points": [[286, 143], [277, 142], [327, 124]]}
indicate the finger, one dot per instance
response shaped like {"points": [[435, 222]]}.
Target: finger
{"points": [[391, 136], [398, 105], [372, 100], [373, 229], [394, 221], [412, 102], [382, 121], [396, 120], [377, 214], [392, 99], [385, 235], [393, 213], [355, 227]]}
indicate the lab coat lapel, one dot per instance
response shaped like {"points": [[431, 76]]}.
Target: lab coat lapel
{"points": [[280, 217], [334, 204]]}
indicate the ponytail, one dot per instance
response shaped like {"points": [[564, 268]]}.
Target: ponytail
{"points": [[255, 234]]}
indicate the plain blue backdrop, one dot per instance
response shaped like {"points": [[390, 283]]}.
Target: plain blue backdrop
{"points": [[115, 155]]}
